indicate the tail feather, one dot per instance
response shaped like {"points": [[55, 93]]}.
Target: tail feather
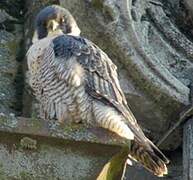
{"points": [[158, 152], [150, 157]]}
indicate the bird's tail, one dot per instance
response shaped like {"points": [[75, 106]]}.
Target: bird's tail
{"points": [[150, 157]]}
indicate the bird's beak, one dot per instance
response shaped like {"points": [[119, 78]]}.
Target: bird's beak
{"points": [[52, 25]]}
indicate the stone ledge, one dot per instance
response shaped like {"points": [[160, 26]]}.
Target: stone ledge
{"points": [[73, 132], [54, 151]]}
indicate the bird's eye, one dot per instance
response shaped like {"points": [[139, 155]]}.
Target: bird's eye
{"points": [[62, 20]]}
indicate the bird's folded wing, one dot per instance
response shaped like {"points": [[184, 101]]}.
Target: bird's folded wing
{"points": [[101, 80]]}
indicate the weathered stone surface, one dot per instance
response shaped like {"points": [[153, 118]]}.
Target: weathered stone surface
{"points": [[189, 5], [9, 42], [7, 71], [154, 63], [35, 149], [52, 160], [187, 150]]}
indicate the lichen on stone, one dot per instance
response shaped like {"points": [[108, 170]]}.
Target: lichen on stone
{"points": [[28, 143]]}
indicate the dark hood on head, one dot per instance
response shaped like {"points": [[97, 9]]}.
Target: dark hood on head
{"points": [[57, 13]]}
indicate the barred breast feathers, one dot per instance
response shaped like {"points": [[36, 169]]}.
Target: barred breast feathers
{"points": [[35, 54]]}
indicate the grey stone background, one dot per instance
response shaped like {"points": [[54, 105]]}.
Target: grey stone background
{"points": [[151, 43]]}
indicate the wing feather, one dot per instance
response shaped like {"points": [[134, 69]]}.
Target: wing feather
{"points": [[101, 80], [101, 76]]}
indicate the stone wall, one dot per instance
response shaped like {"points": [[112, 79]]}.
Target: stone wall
{"points": [[11, 32], [154, 64]]}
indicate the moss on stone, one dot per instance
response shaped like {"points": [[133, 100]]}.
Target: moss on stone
{"points": [[8, 121], [3, 120], [13, 46], [72, 127], [2, 173], [23, 175], [28, 143], [97, 4], [35, 124]]}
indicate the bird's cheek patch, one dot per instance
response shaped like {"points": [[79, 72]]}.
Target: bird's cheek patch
{"points": [[35, 37]]}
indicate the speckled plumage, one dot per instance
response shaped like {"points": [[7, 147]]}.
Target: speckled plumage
{"points": [[74, 80], [71, 75]]}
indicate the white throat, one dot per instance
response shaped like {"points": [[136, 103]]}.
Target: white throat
{"points": [[55, 33]]}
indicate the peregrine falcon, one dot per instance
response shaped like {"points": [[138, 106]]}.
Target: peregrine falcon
{"points": [[73, 79]]}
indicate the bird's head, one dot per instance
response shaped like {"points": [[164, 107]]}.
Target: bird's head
{"points": [[55, 19]]}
